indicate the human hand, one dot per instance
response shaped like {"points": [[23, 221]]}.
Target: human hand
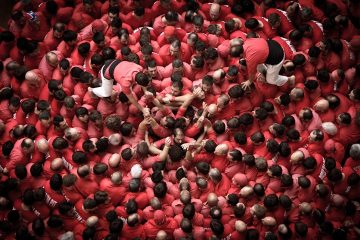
{"points": [[146, 112], [148, 95], [167, 142], [246, 85]]}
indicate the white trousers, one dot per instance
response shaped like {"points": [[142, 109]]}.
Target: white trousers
{"points": [[106, 86], [272, 74]]}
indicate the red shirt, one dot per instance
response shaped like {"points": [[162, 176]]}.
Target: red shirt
{"points": [[124, 74], [50, 41], [36, 32], [256, 51], [289, 49], [286, 24]]}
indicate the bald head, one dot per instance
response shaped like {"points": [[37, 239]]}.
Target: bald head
{"points": [[236, 42], [321, 106], [330, 128], [215, 175], [269, 221], [115, 139], [305, 207], [240, 226], [31, 76], [297, 156], [114, 160], [338, 200], [221, 149], [212, 199], [184, 184], [92, 221], [56, 164], [297, 94], [155, 203], [246, 191], [215, 11], [161, 235], [42, 145], [116, 178], [218, 74], [83, 170], [212, 109], [52, 59], [185, 197]]}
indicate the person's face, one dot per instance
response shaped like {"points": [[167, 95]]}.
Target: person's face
{"points": [[46, 123], [174, 51], [197, 28], [98, 122], [152, 71], [146, 57], [175, 91], [13, 109], [214, 13], [179, 70], [163, 121], [58, 34], [72, 43], [205, 87], [276, 25], [179, 137], [124, 39], [111, 17], [63, 125], [84, 118], [230, 78]]}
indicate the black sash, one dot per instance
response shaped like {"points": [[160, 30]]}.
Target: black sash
{"points": [[111, 65], [276, 53]]}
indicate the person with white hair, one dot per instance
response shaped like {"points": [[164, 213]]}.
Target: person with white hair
{"points": [[330, 128]]}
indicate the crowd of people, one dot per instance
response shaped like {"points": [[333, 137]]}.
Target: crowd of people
{"points": [[180, 119]]}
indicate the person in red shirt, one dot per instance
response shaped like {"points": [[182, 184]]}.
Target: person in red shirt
{"points": [[133, 228], [279, 20], [54, 36], [160, 222], [170, 18], [124, 73], [68, 44], [260, 51], [139, 17], [36, 26]]}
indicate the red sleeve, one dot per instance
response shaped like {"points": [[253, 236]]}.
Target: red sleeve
{"points": [[211, 134], [161, 131], [181, 112], [192, 131]]}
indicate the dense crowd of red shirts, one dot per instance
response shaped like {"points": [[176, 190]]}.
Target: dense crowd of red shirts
{"points": [[209, 160]]}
